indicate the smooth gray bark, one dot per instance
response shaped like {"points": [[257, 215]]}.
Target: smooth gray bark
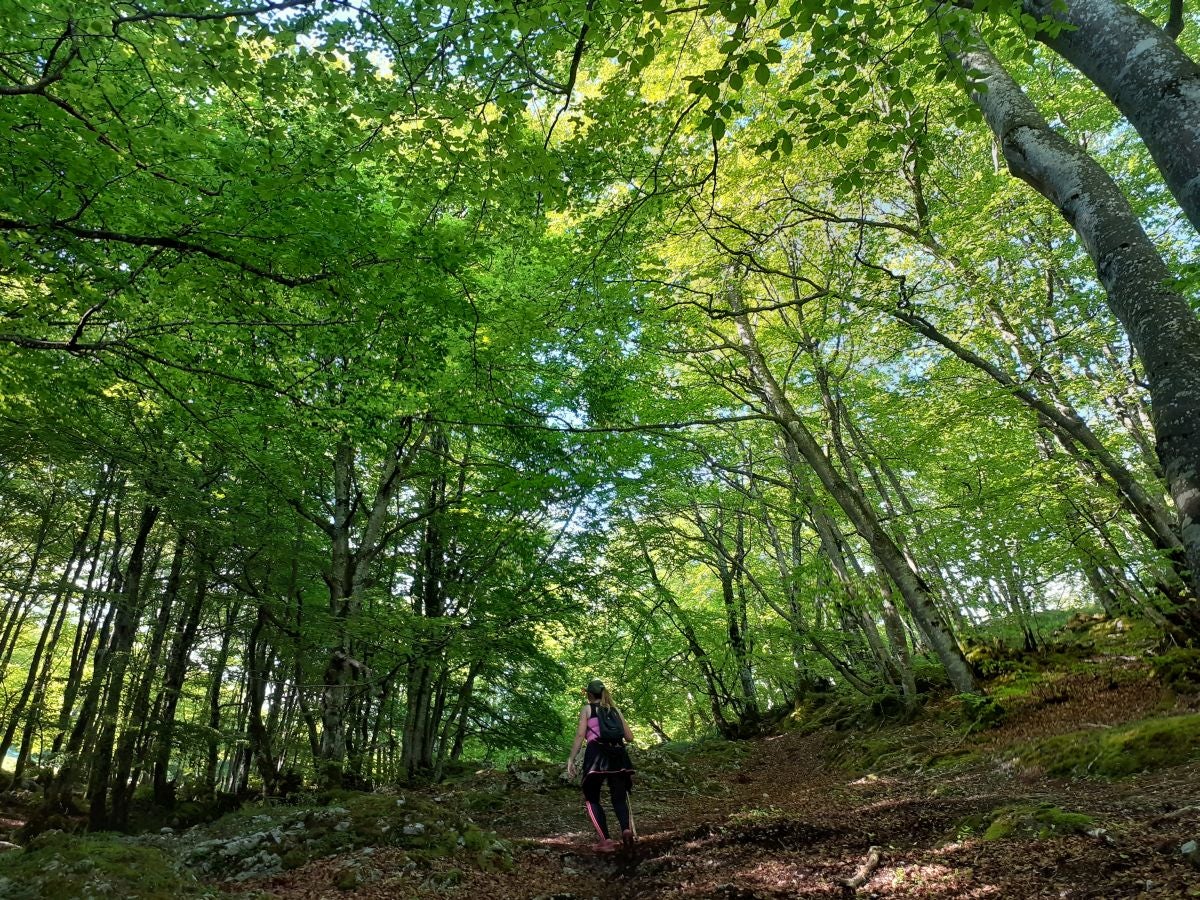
{"points": [[1160, 322], [1146, 75]]}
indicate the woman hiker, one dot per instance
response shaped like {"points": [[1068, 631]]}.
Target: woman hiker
{"points": [[605, 759]]}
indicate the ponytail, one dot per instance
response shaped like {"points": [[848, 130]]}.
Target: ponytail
{"points": [[601, 697]]}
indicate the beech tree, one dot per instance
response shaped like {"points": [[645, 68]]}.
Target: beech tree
{"points": [[357, 362]]}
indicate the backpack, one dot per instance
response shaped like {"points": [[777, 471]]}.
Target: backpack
{"points": [[612, 729]]}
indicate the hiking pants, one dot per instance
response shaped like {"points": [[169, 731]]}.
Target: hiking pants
{"points": [[620, 800]]}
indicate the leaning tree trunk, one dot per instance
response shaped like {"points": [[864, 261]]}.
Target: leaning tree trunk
{"points": [[138, 721], [714, 689], [14, 613], [1077, 438], [1160, 322], [47, 642], [1144, 73], [913, 588]]}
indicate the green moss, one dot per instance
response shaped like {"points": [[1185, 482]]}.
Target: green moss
{"points": [[346, 880], [1016, 685], [492, 860], [442, 881], [980, 712], [1117, 752], [716, 753], [890, 750], [57, 865], [948, 760], [475, 839], [1178, 669], [992, 656], [488, 800], [1042, 821], [269, 838]]}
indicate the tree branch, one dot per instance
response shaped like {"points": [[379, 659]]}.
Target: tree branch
{"points": [[1174, 26]]}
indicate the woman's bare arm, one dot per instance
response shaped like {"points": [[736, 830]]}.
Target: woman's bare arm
{"points": [[579, 735]]}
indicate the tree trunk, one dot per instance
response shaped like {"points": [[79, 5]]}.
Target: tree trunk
{"points": [[1144, 72], [911, 585], [712, 679], [1160, 322], [124, 632], [1073, 433], [18, 610], [41, 665], [213, 700], [85, 631], [173, 677], [139, 707], [256, 682]]}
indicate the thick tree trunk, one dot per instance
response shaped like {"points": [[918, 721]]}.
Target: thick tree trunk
{"points": [[257, 664], [1160, 322], [416, 748], [1144, 72]]}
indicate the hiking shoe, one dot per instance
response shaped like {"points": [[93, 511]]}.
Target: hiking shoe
{"points": [[627, 839], [608, 845]]}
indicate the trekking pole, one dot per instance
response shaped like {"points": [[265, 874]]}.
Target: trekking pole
{"points": [[632, 824]]}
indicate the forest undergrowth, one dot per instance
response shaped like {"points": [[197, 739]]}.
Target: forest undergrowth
{"points": [[1084, 783]]}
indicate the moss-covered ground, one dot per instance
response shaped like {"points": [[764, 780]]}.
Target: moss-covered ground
{"points": [[58, 866], [1143, 746]]}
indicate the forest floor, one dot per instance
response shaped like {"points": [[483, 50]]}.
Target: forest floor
{"points": [[1040, 804], [795, 815]]}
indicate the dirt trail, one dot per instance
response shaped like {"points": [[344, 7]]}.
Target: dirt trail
{"points": [[791, 823], [781, 817], [793, 826], [794, 816]]}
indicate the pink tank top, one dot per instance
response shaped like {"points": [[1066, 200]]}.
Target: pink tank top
{"points": [[593, 725]]}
